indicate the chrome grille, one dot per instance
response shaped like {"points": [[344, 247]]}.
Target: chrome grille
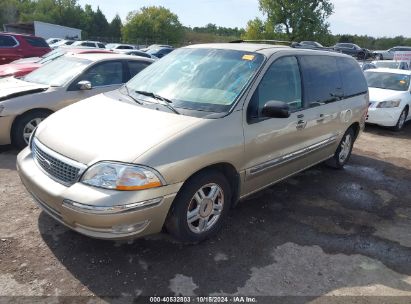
{"points": [[54, 165]]}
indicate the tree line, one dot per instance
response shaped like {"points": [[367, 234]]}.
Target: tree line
{"points": [[291, 20]]}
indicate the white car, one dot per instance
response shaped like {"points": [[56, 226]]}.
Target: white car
{"points": [[92, 44], [389, 54], [390, 64], [25, 102], [390, 97], [119, 46]]}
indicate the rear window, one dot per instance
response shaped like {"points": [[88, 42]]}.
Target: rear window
{"points": [[322, 81], [36, 42], [352, 77], [7, 41]]}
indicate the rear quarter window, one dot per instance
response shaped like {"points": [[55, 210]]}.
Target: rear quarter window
{"points": [[136, 67], [322, 80], [7, 41], [36, 42], [353, 79]]}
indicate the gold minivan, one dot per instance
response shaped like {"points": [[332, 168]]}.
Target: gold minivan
{"points": [[191, 135]]}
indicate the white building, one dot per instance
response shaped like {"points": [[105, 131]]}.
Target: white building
{"points": [[44, 30]]}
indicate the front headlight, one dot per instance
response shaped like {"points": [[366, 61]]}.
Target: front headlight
{"points": [[389, 104], [124, 177]]}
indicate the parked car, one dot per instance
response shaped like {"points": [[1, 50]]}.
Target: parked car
{"points": [[352, 50], [389, 54], [391, 64], [390, 97], [20, 69], [61, 43], [156, 46], [136, 53], [313, 44], [16, 46], [25, 102], [53, 40], [189, 136], [160, 52], [119, 46], [92, 44]]}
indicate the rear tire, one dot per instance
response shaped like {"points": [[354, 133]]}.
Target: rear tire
{"points": [[343, 152], [25, 125], [200, 207]]}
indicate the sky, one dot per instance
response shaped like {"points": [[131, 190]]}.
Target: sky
{"points": [[363, 17]]}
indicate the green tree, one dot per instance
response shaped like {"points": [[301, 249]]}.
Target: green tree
{"points": [[115, 27], [298, 19], [153, 24]]}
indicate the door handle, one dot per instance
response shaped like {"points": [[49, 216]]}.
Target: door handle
{"points": [[321, 118], [301, 124]]}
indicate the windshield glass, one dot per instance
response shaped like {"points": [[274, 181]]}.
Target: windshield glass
{"points": [[199, 79], [389, 65], [389, 81], [58, 72]]}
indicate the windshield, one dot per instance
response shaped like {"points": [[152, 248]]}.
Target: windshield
{"points": [[389, 65], [58, 72], [199, 79], [389, 81]]}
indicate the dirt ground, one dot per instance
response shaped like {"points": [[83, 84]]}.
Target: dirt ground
{"points": [[319, 234]]}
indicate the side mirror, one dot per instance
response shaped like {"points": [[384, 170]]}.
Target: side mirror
{"points": [[84, 85], [276, 109]]}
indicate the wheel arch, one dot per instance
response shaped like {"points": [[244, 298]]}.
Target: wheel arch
{"points": [[18, 117]]}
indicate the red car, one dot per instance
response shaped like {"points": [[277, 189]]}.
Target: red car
{"points": [[16, 46], [20, 69]]}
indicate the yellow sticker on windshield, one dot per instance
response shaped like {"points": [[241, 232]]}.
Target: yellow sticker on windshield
{"points": [[248, 57], [403, 82]]}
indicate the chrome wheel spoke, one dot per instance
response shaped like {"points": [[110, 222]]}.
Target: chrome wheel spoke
{"points": [[202, 225], [193, 216], [217, 209], [213, 193]]}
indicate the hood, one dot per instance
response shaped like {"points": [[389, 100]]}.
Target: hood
{"points": [[17, 69], [11, 87], [377, 95], [103, 128]]}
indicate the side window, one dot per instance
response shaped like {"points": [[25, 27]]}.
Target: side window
{"points": [[89, 44], [36, 42], [136, 67], [352, 77], [281, 82], [7, 41], [322, 82], [103, 74], [101, 46]]}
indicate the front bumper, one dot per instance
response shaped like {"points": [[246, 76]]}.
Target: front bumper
{"points": [[387, 117], [5, 129], [105, 225]]}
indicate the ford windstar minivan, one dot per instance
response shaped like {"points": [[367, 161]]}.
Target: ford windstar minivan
{"points": [[192, 134]]}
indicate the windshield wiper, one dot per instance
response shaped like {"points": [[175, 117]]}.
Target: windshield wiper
{"points": [[166, 102], [129, 95]]}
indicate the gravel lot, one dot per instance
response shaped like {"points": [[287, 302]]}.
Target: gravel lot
{"points": [[321, 233]]}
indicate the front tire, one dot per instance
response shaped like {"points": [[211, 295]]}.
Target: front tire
{"points": [[200, 207], [343, 152], [25, 125], [401, 120]]}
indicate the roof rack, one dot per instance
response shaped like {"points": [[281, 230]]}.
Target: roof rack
{"points": [[263, 41]]}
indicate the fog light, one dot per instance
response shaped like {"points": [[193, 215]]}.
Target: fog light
{"points": [[130, 228]]}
